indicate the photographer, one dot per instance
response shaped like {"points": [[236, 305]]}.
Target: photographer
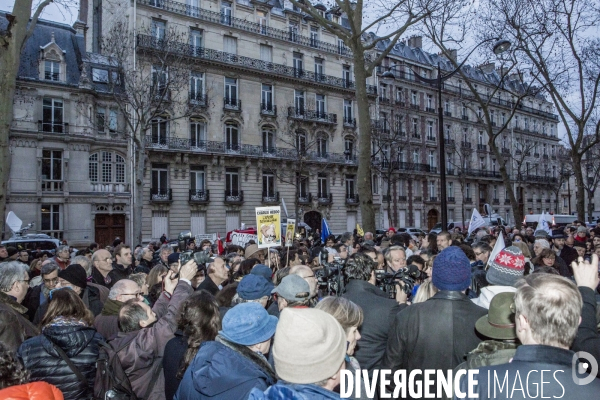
{"points": [[361, 289]]}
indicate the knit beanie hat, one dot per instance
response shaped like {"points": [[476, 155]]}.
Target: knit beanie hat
{"points": [[309, 345], [75, 275], [451, 270], [507, 267]]}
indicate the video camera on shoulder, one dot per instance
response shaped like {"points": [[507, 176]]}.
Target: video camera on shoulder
{"points": [[409, 275]]}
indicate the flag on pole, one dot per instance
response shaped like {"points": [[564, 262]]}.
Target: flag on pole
{"points": [[359, 230], [498, 247], [284, 207], [543, 224], [220, 244], [477, 221], [324, 230]]}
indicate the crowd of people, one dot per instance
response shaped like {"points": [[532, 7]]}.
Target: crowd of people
{"points": [[283, 323]]}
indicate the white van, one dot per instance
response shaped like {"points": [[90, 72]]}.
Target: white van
{"points": [[558, 219]]}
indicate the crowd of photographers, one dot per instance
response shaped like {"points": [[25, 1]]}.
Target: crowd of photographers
{"points": [[185, 322]]}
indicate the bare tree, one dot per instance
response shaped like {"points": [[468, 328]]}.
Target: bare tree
{"points": [[368, 51], [460, 156], [592, 176], [556, 41], [151, 93], [14, 33]]}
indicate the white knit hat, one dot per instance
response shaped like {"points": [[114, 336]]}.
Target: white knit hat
{"points": [[309, 346]]}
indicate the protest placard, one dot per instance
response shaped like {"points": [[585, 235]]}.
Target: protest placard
{"points": [[268, 226]]}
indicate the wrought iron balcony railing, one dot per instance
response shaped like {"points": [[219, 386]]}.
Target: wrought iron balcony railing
{"points": [[268, 109], [160, 194], [199, 196], [304, 198], [234, 196], [312, 115], [270, 197], [325, 198], [351, 198]]}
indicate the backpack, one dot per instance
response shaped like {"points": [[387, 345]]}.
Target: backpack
{"points": [[111, 382]]}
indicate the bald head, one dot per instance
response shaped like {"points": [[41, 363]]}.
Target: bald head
{"points": [[102, 260], [308, 275], [124, 290]]}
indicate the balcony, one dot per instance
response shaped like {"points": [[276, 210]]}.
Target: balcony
{"points": [[228, 60], [430, 109], [268, 109], [505, 151], [417, 198], [432, 199], [245, 25], [495, 201], [483, 173], [416, 136], [449, 142], [324, 198], [451, 199], [53, 127], [199, 196], [212, 147], [270, 197], [530, 200], [539, 200], [468, 200], [431, 138], [536, 155], [110, 187], [352, 198], [548, 200], [401, 198], [312, 115], [465, 145], [545, 156], [234, 196], [415, 107], [506, 201], [161, 195], [481, 147], [350, 122], [230, 104], [447, 114], [386, 198], [49, 185], [450, 171], [465, 117], [304, 198], [400, 102], [198, 100], [384, 100]]}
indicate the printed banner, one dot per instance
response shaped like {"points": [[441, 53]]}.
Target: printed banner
{"points": [[240, 239], [290, 231], [268, 226]]}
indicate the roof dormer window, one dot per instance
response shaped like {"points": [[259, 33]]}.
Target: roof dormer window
{"points": [[52, 70]]}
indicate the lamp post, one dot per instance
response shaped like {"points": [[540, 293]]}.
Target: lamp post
{"points": [[499, 47]]}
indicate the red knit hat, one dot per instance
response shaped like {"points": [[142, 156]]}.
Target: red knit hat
{"points": [[391, 228]]}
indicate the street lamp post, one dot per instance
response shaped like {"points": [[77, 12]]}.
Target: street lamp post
{"points": [[499, 47]]}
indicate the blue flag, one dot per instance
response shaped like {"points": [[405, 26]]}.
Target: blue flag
{"points": [[324, 230]]}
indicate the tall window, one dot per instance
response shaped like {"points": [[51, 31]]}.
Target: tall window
{"points": [[106, 167], [266, 53], [430, 102], [298, 64], [52, 70], [320, 104], [100, 119], [159, 79], [468, 190], [266, 98], [347, 75], [230, 44], [350, 186], [232, 181], [52, 170], [415, 126], [432, 189], [268, 180], [160, 179], [414, 100], [451, 189], [261, 18], [198, 132], [232, 137], [268, 135], [302, 185], [158, 29], [301, 142], [349, 148], [226, 12], [495, 192], [314, 35], [196, 39], [160, 130], [348, 111], [322, 146], [51, 220], [231, 92], [480, 138], [197, 179], [293, 32], [416, 156], [430, 134], [299, 101], [319, 69], [431, 158], [112, 121], [197, 86], [322, 185], [52, 116]]}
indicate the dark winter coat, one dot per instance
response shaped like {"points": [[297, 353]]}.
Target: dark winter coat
{"points": [[174, 352], [91, 299], [293, 391], [118, 272], [144, 266], [41, 359], [14, 325], [223, 371], [378, 317], [435, 334], [588, 339], [32, 300], [208, 285]]}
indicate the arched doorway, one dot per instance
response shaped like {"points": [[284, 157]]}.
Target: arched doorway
{"points": [[432, 218], [313, 219]]}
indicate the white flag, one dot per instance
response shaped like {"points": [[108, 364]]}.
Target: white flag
{"points": [[284, 207], [498, 247], [477, 221], [543, 225]]}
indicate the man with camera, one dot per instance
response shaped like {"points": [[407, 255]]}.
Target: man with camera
{"points": [[361, 289]]}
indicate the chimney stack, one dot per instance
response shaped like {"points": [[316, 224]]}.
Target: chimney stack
{"points": [[415, 41]]}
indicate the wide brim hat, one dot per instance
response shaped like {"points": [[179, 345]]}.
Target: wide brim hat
{"points": [[248, 324], [251, 251], [499, 323]]}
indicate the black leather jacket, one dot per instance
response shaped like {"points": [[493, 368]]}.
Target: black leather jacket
{"points": [[80, 343]]}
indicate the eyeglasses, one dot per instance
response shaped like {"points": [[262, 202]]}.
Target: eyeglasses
{"points": [[138, 294], [51, 281]]}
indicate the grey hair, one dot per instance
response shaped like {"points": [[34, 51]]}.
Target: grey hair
{"points": [[543, 242], [11, 272], [167, 248], [118, 288], [49, 268], [345, 237], [140, 253], [62, 248], [84, 262]]}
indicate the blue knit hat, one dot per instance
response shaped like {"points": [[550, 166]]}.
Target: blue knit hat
{"points": [[451, 270], [248, 324]]}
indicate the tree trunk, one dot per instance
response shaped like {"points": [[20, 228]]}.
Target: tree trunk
{"points": [[364, 147], [517, 212], [590, 194], [580, 187], [138, 203]]}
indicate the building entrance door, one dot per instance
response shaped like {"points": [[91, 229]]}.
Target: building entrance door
{"points": [[108, 227]]}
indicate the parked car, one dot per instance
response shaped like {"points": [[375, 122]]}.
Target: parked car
{"points": [[414, 232]]}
